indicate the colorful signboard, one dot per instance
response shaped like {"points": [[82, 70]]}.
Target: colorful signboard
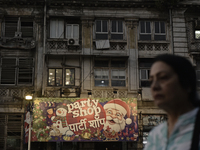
{"points": [[84, 119]]}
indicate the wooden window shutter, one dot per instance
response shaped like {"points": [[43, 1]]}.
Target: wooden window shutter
{"points": [[27, 27], [10, 26], [25, 75], [8, 71]]}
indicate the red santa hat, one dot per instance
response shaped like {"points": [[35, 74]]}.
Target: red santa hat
{"points": [[121, 106]]}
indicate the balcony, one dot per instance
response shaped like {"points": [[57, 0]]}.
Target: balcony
{"points": [[17, 42], [13, 97], [15, 92], [66, 92], [62, 47], [114, 48], [109, 94], [152, 48]]}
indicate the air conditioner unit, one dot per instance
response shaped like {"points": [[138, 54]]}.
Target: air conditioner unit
{"points": [[73, 42]]}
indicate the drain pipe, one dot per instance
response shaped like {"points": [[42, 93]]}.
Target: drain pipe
{"points": [[44, 48], [171, 28]]}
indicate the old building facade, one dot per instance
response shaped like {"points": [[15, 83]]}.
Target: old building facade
{"points": [[57, 48]]}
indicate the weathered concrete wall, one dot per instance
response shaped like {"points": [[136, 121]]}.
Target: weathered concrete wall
{"points": [[179, 33]]}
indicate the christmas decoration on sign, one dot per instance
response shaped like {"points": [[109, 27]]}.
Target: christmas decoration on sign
{"points": [[40, 127], [63, 120]]}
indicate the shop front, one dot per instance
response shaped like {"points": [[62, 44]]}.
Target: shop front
{"points": [[82, 123]]}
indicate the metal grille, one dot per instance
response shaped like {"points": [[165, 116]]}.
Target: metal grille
{"points": [[16, 92], [4, 92], [141, 47], [27, 92], [153, 47], [157, 47], [98, 94], [52, 45], [61, 46], [122, 94], [109, 94], [115, 46], [149, 47], [122, 47], [165, 47], [51, 93]]}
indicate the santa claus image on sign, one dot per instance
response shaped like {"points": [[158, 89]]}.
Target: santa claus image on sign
{"points": [[116, 110]]}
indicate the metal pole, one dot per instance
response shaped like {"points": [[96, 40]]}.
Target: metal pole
{"points": [[44, 46], [29, 132]]}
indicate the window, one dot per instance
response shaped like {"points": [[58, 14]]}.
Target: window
{"points": [[56, 77], [197, 34], [101, 77], [197, 29], [57, 28], [109, 29], [144, 77], [17, 71], [69, 77], [159, 31], [118, 78], [72, 31], [60, 29], [18, 26], [110, 73], [145, 30], [144, 70], [152, 31]]}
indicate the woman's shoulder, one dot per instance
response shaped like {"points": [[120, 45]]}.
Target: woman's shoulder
{"points": [[160, 129]]}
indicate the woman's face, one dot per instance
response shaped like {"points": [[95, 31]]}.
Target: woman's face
{"points": [[165, 88]]}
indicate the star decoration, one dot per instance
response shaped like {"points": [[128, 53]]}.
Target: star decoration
{"points": [[37, 102]]}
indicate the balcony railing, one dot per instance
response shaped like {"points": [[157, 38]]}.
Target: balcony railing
{"points": [[153, 48], [114, 46], [60, 47], [109, 94], [18, 92]]}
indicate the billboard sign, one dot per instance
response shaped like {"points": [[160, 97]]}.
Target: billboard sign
{"points": [[84, 119]]}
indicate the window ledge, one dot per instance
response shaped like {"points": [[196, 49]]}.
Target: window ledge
{"points": [[153, 42], [57, 39], [58, 87], [113, 41]]}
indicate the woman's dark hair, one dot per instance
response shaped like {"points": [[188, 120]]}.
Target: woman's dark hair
{"points": [[185, 71]]}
